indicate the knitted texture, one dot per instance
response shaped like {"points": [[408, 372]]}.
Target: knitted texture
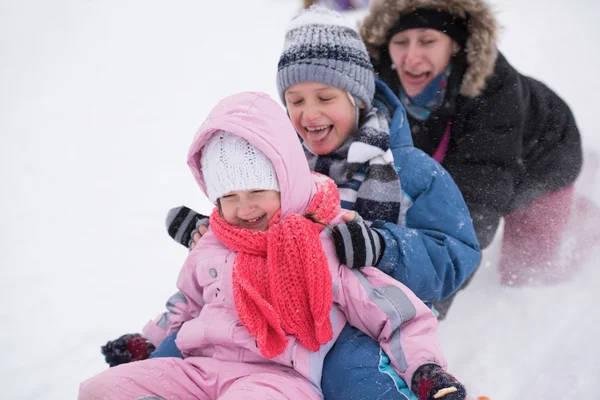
{"points": [[230, 162], [365, 158], [182, 222], [450, 24], [127, 348], [356, 244], [323, 46], [281, 279], [429, 379]]}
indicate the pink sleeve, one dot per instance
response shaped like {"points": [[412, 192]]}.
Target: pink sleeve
{"points": [[391, 314], [181, 307]]}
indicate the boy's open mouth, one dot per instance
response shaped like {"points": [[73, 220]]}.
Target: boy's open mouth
{"points": [[318, 133]]}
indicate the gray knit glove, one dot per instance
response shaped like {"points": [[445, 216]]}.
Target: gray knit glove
{"points": [[182, 223], [356, 244]]}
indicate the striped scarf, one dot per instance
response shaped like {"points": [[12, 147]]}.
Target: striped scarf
{"points": [[363, 169]]}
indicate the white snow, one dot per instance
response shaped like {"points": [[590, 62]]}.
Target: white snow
{"points": [[99, 101]]}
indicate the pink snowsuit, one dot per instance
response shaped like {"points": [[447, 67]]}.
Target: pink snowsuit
{"points": [[222, 359]]}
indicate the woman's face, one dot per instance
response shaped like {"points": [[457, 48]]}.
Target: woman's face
{"points": [[420, 55]]}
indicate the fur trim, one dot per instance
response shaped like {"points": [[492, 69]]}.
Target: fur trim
{"points": [[481, 47]]}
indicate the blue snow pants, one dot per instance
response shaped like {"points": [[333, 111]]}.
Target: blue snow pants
{"points": [[356, 369], [167, 348]]}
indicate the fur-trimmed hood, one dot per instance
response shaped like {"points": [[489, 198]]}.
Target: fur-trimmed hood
{"points": [[481, 50]]}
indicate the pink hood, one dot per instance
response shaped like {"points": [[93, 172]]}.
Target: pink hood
{"points": [[261, 121]]}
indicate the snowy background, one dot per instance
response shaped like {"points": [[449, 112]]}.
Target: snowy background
{"points": [[99, 101]]}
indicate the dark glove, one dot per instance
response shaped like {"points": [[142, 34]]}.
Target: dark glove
{"points": [[127, 348], [182, 223], [429, 379], [356, 244]]}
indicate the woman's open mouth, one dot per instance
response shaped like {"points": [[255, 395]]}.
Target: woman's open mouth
{"points": [[415, 79]]}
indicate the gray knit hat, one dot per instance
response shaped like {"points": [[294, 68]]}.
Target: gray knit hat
{"points": [[322, 46]]}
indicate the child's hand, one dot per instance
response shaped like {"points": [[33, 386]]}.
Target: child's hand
{"points": [[198, 234], [431, 382], [127, 348], [356, 244], [349, 216], [186, 226]]}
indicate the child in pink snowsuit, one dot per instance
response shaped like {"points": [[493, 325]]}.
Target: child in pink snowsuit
{"points": [[263, 296]]}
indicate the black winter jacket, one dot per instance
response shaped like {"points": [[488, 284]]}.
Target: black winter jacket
{"points": [[512, 138], [512, 144]]}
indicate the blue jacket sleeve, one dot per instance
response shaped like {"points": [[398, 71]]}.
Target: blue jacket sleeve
{"points": [[436, 250]]}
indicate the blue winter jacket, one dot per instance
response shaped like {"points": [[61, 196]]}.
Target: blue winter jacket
{"points": [[436, 249], [432, 252]]}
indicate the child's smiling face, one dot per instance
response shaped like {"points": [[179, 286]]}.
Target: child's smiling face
{"points": [[323, 115], [250, 209]]}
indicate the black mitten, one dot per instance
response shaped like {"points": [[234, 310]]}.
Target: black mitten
{"points": [[182, 222], [431, 382], [127, 348], [356, 244]]}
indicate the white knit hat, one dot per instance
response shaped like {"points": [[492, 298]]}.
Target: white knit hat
{"points": [[231, 163]]}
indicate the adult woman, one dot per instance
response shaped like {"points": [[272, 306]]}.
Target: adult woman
{"points": [[509, 142]]}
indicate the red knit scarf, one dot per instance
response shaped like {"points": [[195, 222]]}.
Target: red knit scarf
{"points": [[281, 279]]}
